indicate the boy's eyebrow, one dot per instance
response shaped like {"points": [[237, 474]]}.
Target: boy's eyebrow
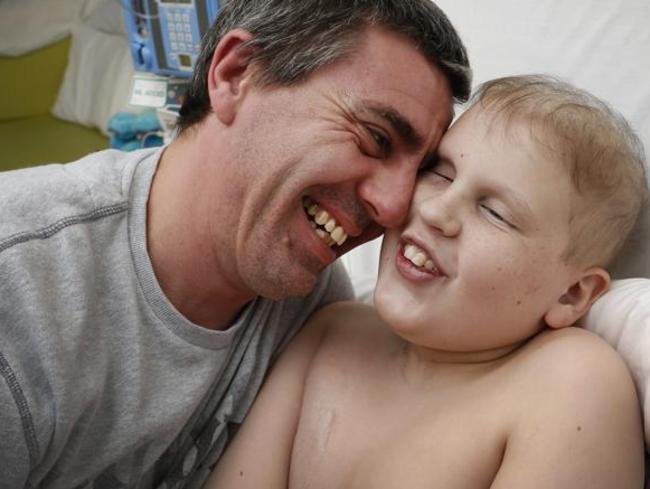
{"points": [[400, 123], [519, 203]]}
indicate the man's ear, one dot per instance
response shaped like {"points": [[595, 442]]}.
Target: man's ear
{"points": [[229, 74], [578, 298]]}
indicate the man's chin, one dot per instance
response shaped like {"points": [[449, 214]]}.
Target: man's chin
{"points": [[287, 286]]}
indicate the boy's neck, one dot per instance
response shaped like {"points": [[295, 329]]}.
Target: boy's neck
{"points": [[418, 362]]}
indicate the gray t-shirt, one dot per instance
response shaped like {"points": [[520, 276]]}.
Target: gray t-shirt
{"points": [[103, 384]]}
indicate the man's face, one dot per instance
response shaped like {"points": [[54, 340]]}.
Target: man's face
{"points": [[480, 261], [341, 149]]}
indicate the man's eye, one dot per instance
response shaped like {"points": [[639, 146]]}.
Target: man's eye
{"points": [[427, 165], [381, 141]]}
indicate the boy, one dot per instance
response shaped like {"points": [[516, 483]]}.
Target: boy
{"points": [[466, 375]]}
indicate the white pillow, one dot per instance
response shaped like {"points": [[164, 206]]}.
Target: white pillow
{"points": [[105, 16], [361, 264], [622, 318], [97, 80], [26, 25]]}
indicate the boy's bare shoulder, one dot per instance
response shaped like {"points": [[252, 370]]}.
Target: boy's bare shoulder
{"points": [[571, 354], [571, 365], [571, 377], [575, 400]]}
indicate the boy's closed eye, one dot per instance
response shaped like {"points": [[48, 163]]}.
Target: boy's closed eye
{"points": [[495, 215], [440, 174], [439, 169], [444, 173]]}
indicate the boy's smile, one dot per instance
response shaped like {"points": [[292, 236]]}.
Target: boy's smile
{"points": [[417, 263]]}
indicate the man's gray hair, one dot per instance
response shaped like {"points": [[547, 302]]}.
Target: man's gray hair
{"points": [[294, 38]]}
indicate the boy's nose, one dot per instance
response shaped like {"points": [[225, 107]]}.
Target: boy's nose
{"points": [[387, 195], [440, 211]]}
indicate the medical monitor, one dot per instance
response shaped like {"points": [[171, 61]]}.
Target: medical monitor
{"points": [[165, 35]]}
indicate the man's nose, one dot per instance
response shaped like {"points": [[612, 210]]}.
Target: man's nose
{"points": [[387, 193]]}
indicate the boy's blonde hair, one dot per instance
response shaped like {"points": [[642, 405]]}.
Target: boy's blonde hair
{"points": [[603, 155]]}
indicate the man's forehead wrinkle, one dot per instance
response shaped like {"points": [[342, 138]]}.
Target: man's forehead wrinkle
{"points": [[343, 101], [399, 122]]}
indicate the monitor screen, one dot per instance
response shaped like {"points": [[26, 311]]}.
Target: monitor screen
{"points": [[185, 60]]}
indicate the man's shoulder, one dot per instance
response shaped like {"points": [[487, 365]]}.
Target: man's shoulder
{"points": [[35, 198], [103, 166]]}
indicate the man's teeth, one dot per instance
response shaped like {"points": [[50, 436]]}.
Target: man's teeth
{"points": [[418, 257], [329, 231]]}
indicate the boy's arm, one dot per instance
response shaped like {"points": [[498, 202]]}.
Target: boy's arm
{"points": [[583, 430], [260, 454]]}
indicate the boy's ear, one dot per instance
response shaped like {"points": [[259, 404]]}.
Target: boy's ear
{"points": [[229, 75], [578, 298]]}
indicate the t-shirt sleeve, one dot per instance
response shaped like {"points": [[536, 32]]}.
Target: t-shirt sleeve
{"points": [[14, 453]]}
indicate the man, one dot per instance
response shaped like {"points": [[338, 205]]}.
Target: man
{"points": [[144, 295]]}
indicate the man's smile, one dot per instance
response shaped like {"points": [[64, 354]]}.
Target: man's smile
{"points": [[324, 224]]}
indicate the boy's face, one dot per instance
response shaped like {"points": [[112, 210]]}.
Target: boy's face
{"points": [[479, 262]]}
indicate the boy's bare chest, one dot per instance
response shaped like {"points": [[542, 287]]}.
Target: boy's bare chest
{"points": [[358, 431]]}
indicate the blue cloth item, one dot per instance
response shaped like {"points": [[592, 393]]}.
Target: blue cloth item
{"points": [[148, 140], [129, 131]]}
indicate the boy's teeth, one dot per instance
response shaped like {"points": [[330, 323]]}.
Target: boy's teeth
{"points": [[330, 232], [409, 251], [418, 257]]}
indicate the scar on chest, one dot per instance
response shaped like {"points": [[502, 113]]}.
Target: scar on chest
{"points": [[328, 425]]}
